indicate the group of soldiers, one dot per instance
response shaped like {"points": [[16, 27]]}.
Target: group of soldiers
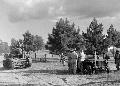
{"points": [[75, 60]]}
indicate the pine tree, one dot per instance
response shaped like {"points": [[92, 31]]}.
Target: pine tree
{"points": [[94, 38], [64, 36], [113, 36]]}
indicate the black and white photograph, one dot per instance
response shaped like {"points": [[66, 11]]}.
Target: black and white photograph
{"points": [[59, 42]]}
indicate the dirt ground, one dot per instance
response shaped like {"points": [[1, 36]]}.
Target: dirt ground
{"points": [[53, 73]]}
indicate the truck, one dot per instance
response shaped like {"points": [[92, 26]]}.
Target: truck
{"points": [[12, 61]]}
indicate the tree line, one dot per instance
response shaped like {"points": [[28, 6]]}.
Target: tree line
{"points": [[28, 43], [65, 35]]}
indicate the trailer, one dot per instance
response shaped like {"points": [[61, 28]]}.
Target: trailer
{"points": [[93, 65]]}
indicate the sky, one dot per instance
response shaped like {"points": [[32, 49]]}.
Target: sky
{"points": [[40, 16]]}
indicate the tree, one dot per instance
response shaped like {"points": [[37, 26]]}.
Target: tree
{"points": [[28, 41], [94, 38], [31, 42], [113, 36], [14, 47], [64, 36], [38, 43]]}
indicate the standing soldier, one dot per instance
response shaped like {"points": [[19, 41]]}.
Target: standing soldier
{"points": [[79, 63], [106, 58], [117, 59], [69, 60], [72, 61], [81, 58], [62, 58]]}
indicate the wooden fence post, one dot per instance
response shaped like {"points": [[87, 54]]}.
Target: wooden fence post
{"points": [[95, 58]]}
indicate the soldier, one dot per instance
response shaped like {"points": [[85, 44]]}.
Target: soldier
{"points": [[106, 58], [79, 63], [69, 60], [62, 58], [117, 59], [72, 61], [81, 58]]}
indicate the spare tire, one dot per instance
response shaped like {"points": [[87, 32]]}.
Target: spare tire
{"points": [[7, 63]]}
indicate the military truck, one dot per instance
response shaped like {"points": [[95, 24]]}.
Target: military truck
{"points": [[18, 60]]}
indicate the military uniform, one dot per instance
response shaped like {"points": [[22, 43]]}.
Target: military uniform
{"points": [[81, 58], [72, 62], [117, 59]]}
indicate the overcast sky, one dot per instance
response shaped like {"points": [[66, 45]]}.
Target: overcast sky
{"points": [[39, 16]]}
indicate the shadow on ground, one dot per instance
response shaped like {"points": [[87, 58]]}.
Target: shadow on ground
{"points": [[44, 61], [57, 72], [2, 69], [21, 85]]}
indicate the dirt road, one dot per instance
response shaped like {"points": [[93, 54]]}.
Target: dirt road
{"points": [[54, 74]]}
